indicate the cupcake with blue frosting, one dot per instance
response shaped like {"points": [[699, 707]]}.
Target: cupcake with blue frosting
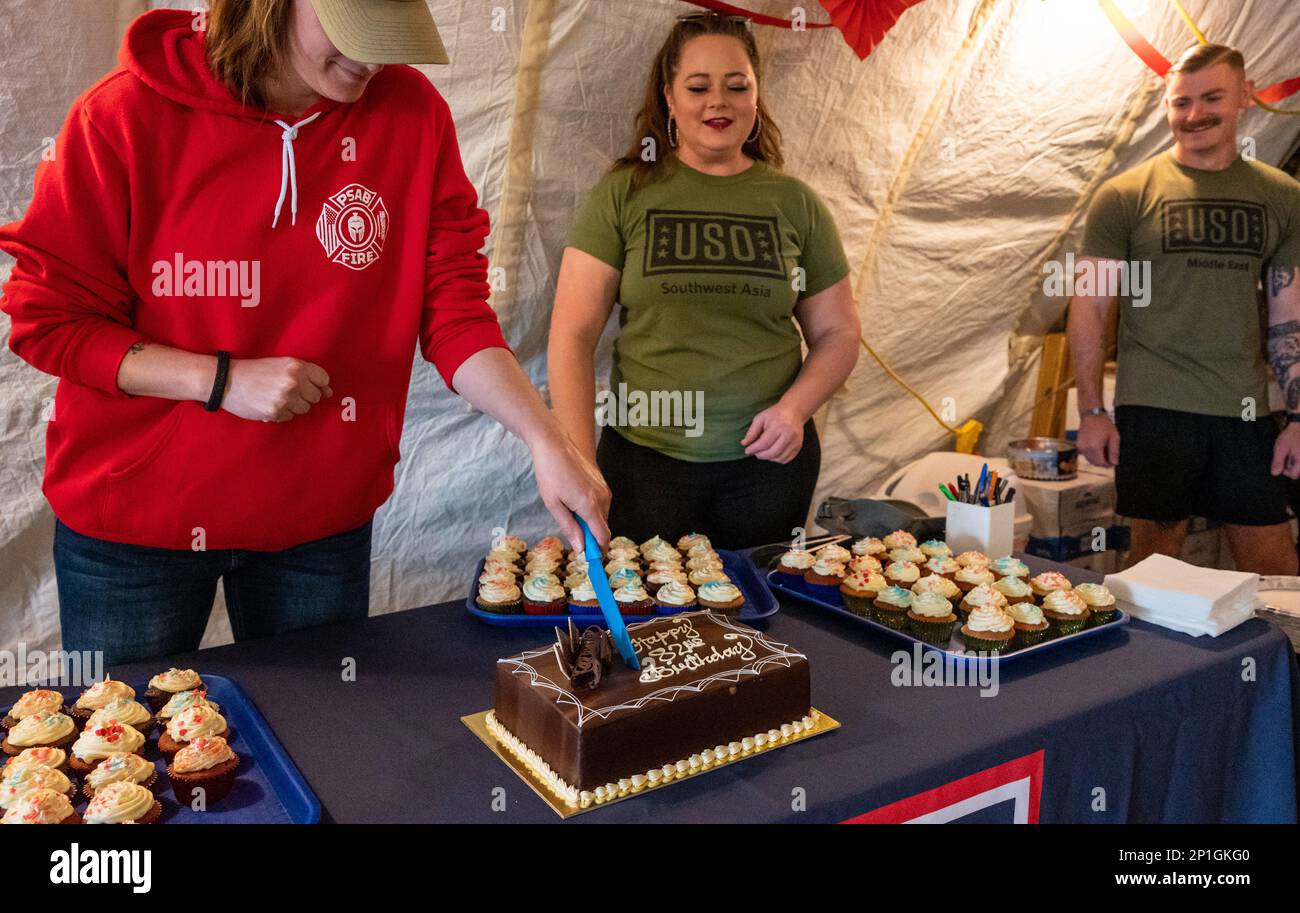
{"points": [[891, 606]]}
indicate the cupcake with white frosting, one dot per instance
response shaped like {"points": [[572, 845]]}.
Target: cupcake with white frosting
{"points": [[22, 777], [701, 576], [57, 758], [860, 589], [119, 767], [792, 565], [126, 711], [98, 695], [983, 595], [582, 598], [1009, 566], [988, 629], [869, 545], [970, 576], [1100, 602], [931, 618], [891, 606], [163, 685], [1049, 582], [974, 558], [1031, 627], [98, 741], [674, 596], [913, 555], [632, 599], [543, 595], [722, 596], [41, 806], [899, 538], [869, 563], [42, 729], [206, 764], [934, 583], [944, 566], [183, 700], [684, 543], [499, 598], [834, 552], [658, 577], [1016, 589], [189, 725], [902, 573], [33, 702], [123, 803], [1066, 611], [824, 577], [935, 548]]}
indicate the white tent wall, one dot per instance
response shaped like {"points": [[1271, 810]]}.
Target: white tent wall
{"points": [[957, 159]]}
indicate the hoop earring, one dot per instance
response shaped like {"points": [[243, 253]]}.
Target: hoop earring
{"points": [[758, 128], [672, 131]]}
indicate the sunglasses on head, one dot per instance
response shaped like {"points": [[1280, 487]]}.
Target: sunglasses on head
{"points": [[701, 17]]}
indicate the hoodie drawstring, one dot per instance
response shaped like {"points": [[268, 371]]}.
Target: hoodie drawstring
{"points": [[289, 169]]}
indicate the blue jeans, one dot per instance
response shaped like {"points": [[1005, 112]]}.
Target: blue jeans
{"points": [[134, 602]]}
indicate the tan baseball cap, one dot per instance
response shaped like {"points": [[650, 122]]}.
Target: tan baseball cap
{"points": [[382, 31]]}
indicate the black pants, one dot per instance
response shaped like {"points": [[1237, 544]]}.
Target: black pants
{"points": [[736, 503]]}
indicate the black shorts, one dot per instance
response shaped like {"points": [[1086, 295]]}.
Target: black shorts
{"points": [[1174, 465]]}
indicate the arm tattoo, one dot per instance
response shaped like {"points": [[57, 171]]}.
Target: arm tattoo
{"points": [[136, 348], [1293, 395], [1283, 353], [1280, 277]]}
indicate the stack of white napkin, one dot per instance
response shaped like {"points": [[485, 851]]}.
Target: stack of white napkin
{"points": [[1184, 597]]}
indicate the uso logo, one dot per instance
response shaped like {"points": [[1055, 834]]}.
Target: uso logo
{"points": [[708, 242]]}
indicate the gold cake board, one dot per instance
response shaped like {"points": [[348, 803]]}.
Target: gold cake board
{"points": [[477, 723]]}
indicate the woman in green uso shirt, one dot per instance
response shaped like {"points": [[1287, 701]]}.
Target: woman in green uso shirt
{"points": [[715, 255]]}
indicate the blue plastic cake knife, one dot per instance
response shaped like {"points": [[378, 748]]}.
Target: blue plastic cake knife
{"points": [[605, 596]]}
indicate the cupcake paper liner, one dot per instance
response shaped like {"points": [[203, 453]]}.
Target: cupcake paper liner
{"points": [[858, 605], [890, 618], [1030, 638], [935, 633], [980, 645]]}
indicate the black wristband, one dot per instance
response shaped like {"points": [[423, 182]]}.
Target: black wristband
{"points": [[1293, 417], [219, 383]]}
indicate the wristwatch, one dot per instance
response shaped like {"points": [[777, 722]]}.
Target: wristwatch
{"points": [[1096, 410]]}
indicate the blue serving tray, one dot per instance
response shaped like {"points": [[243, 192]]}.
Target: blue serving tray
{"points": [[832, 603], [268, 788], [759, 601]]}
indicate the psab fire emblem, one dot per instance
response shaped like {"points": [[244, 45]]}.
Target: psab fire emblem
{"points": [[352, 226]]}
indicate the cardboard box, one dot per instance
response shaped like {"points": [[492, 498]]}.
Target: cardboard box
{"points": [[1088, 537], [1056, 507]]}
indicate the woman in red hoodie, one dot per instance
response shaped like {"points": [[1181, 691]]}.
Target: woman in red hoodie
{"points": [[243, 234]]}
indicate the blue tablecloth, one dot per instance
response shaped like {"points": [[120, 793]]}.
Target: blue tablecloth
{"points": [[1144, 725]]}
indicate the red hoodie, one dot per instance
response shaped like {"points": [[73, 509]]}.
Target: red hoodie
{"points": [[154, 222]]}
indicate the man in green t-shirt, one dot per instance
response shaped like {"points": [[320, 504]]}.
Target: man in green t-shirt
{"points": [[1185, 237]]}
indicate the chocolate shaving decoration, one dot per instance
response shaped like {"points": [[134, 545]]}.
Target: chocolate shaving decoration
{"points": [[594, 656], [584, 658], [566, 649]]}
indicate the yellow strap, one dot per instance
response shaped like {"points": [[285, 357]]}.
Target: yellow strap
{"points": [[967, 435]]}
